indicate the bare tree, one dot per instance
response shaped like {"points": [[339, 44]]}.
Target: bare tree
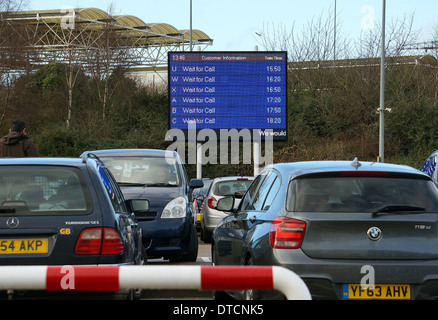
{"points": [[13, 56], [317, 40], [399, 35], [110, 52]]}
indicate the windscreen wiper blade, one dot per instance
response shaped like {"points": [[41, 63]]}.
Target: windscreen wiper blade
{"points": [[138, 184], [131, 184], [398, 208], [161, 184]]}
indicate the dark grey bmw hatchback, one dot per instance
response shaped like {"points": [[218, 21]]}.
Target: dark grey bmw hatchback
{"points": [[65, 212], [350, 230]]}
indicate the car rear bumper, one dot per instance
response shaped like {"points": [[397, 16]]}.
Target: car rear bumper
{"points": [[211, 220], [327, 290], [328, 279], [165, 237]]}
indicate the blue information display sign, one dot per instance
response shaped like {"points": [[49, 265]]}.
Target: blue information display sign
{"points": [[229, 90]]}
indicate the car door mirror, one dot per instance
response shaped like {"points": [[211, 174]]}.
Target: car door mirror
{"points": [[239, 194], [196, 183], [225, 204], [139, 205]]}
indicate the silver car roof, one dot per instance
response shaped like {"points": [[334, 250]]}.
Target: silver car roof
{"points": [[295, 169]]}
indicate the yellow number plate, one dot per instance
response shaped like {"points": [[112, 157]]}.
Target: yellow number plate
{"points": [[23, 246], [380, 291]]}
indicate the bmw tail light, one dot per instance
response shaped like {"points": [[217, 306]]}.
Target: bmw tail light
{"points": [[99, 241], [287, 233], [211, 202]]}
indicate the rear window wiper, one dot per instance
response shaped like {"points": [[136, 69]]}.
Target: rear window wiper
{"points": [[398, 207], [7, 210]]}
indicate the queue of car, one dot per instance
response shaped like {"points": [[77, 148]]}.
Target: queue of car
{"points": [[219, 188], [198, 197], [349, 229], [160, 177], [108, 207], [60, 211]]}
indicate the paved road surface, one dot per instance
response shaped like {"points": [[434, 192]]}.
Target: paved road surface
{"points": [[204, 258]]}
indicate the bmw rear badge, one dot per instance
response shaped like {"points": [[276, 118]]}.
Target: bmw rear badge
{"points": [[12, 222], [374, 233]]}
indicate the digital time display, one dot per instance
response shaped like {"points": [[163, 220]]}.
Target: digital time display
{"points": [[229, 90]]}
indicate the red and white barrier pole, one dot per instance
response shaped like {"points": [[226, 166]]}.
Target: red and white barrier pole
{"points": [[115, 278]]}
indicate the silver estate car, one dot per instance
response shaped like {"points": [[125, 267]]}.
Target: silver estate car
{"points": [[350, 230], [219, 187]]}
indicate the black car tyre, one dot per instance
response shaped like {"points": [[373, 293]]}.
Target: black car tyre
{"points": [[137, 293], [192, 248], [219, 295], [206, 236], [251, 294], [192, 252]]}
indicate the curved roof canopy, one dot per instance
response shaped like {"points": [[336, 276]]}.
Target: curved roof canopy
{"points": [[97, 18], [50, 30]]}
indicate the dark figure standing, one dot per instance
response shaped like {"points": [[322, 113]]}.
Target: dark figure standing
{"points": [[17, 143]]}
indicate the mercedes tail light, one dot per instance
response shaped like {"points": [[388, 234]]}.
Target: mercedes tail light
{"points": [[112, 242], [287, 233], [99, 241]]}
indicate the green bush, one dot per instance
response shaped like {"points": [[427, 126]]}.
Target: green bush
{"points": [[333, 118]]}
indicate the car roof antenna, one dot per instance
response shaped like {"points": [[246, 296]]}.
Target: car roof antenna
{"points": [[87, 155], [356, 163]]}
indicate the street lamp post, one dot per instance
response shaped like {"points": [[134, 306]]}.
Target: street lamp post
{"points": [[198, 145], [191, 38], [334, 38], [382, 90]]}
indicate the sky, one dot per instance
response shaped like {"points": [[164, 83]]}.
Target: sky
{"points": [[234, 24]]}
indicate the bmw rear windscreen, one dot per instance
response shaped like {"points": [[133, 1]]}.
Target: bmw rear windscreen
{"points": [[360, 194]]}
